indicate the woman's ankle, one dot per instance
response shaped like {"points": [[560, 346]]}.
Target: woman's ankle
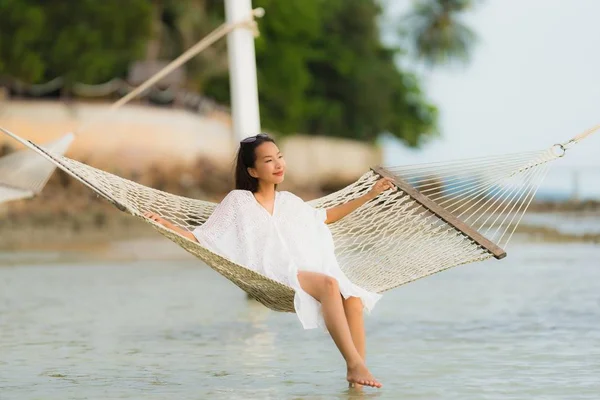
{"points": [[355, 363]]}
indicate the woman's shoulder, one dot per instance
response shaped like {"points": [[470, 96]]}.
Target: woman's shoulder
{"points": [[290, 196], [238, 192], [235, 195]]}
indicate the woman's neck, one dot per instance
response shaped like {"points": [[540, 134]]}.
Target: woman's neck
{"points": [[266, 191]]}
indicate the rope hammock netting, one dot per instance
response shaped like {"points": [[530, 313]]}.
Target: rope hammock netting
{"points": [[439, 216], [23, 174]]}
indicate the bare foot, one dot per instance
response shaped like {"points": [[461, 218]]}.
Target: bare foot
{"points": [[359, 374]]}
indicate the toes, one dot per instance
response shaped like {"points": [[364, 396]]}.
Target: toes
{"points": [[365, 382], [373, 384]]}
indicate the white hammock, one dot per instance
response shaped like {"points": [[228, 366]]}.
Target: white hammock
{"points": [[442, 215], [23, 174]]}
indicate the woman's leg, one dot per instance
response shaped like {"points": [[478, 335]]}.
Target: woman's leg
{"points": [[353, 308], [326, 290]]}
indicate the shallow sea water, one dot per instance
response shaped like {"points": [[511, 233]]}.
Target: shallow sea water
{"points": [[527, 327]]}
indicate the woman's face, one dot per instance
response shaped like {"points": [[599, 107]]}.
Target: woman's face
{"points": [[270, 164]]}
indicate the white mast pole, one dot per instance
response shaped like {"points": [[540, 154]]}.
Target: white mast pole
{"points": [[242, 71]]}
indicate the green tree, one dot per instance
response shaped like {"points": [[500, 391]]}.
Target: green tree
{"points": [[359, 91], [85, 41], [437, 32], [177, 26], [322, 67], [21, 27], [323, 70]]}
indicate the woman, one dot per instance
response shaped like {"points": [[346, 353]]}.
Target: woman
{"points": [[282, 237]]}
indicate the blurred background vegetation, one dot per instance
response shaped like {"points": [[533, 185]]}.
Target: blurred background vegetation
{"points": [[323, 68]]}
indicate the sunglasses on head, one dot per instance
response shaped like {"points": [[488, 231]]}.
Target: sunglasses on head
{"points": [[251, 139]]}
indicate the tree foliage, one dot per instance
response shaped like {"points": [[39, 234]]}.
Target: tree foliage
{"points": [[437, 33], [85, 40], [178, 25], [323, 70], [322, 67]]}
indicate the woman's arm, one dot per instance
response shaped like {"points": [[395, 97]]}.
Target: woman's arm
{"points": [[170, 225], [338, 212]]}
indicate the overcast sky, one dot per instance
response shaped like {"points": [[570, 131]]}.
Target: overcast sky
{"points": [[534, 80]]}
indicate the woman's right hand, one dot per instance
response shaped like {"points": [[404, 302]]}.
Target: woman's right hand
{"points": [[169, 225], [155, 217]]}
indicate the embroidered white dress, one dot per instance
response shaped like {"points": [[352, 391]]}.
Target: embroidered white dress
{"points": [[294, 238]]}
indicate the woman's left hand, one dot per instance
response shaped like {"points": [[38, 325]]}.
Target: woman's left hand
{"points": [[380, 186]]}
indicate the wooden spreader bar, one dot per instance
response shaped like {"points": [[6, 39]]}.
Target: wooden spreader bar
{"points": [[442, 213]]}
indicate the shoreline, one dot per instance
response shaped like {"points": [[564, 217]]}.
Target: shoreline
{"points": [[91, 234]]}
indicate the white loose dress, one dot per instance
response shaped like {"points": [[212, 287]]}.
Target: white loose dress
{"points": [[294, 238]]}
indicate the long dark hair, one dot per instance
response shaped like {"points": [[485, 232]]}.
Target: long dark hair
{"points": [[246, 158]]}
